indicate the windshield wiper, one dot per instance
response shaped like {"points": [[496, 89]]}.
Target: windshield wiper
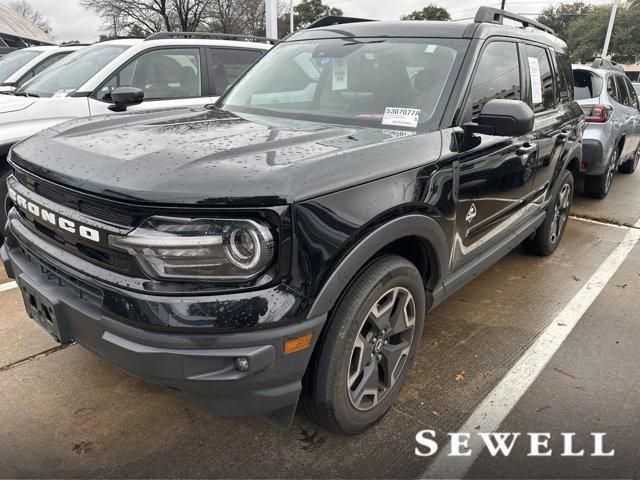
{"points": [[27, 94], [8, 92]]}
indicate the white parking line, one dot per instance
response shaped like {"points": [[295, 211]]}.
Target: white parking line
{"points": [[8, 286], [488, 416]]}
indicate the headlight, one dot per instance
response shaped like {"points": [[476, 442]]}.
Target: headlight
{"points": [[214, 249]]}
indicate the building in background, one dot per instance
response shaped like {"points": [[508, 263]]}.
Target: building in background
{"points": [[18, 32], [632, 71]]}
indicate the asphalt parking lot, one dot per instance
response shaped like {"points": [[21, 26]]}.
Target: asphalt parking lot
{"points": [[65, 412]]}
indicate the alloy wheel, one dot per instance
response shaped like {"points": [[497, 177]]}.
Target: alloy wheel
{"points": [[381, 348], [561, 213]]}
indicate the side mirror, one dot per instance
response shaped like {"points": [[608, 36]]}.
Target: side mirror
{"points": [[504, 118], [123, 97]]}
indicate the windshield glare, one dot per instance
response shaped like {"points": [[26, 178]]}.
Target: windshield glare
{"points": [[11, 63], [72, 72], [348, 81]]}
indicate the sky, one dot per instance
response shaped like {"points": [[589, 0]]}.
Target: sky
{"points": [[70, 21]]}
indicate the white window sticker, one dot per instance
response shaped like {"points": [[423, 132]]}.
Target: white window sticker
{"points": [[401, 117], [340, 79], [536, 80]]}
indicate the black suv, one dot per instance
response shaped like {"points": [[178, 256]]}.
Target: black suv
{"points": [[288, 241]]}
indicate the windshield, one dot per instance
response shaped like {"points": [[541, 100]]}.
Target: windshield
{"points": [[385, 83], [11, 63], [72, 72]]}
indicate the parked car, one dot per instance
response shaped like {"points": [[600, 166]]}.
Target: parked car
{"points": [[612, 135], [165, 71], [297, 231], [22, 65]]}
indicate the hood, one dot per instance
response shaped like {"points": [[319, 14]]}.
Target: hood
{"points": [[212, 157], [11, 103]]}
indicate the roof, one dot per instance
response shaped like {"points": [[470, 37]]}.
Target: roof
{"points": [[15, 25], [428, 29]]}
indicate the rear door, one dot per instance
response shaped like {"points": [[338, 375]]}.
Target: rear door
{"points": [[555, 123], [627, 104], [495, 172]]}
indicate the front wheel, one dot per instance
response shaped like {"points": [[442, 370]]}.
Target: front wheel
{"points": [[546, 239], [368, 348]]}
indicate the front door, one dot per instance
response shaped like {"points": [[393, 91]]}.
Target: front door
{"points": [[495, 173]]}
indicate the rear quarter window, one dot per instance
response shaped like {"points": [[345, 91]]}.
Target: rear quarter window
{"points": [[586, 84]]}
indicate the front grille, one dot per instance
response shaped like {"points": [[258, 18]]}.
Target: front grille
{"points": [[77, 287], [60, 196]]}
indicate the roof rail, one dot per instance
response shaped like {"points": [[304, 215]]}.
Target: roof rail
{"points": [[330, 20], [497, 16], [606, 64], [119, 37], [211, 35]]}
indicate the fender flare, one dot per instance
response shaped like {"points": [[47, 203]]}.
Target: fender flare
{"points": [[412, 225]]}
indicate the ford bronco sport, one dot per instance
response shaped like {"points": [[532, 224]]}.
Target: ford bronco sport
{"points": [[288, 241]]}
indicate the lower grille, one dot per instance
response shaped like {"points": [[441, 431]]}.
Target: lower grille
{"points": [[77, 287]]}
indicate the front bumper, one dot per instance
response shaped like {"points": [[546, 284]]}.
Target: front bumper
{"points": [[199, 365]]}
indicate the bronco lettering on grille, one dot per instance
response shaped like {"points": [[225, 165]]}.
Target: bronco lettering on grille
{"points": [[53, 218]]}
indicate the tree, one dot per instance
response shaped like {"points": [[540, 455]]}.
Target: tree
{"points": [[31, 14], [584, 28], [430, 12], [310, 10]]}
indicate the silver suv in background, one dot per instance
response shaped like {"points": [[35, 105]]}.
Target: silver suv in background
{"points": [[612, 134]]}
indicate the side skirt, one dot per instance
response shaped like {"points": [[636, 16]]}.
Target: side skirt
{"points": [[468, 272]]}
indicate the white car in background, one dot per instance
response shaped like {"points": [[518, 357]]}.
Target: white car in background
{"points": [[166, 70], [20, 66]]}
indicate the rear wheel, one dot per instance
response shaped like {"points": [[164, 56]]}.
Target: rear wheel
{"points": [[368, 348], [630, 165], [547, 238], [599, 186]]}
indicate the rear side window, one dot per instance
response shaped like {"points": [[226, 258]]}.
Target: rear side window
{"points": [[611, 87], [227, 65], [542, 94], [497, 76], [622, 91], [586, 84], [565, 77], [632, 93]]}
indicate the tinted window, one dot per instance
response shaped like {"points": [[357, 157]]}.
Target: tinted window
{"points": [[586, 84], [228, 64], [611, 87], [15, 61], [632, 93], [396, 82], [623, 95], [542, 94], [565, 75], [161, 74], [497, 76]]}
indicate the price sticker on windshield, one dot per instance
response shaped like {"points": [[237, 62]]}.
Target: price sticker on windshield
{"points": [[401, 117]]}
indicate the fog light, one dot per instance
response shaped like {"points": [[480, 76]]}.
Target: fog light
{"points": [[242, 364]]}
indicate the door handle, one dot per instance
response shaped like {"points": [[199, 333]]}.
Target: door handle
{"points": [[527, 149]]}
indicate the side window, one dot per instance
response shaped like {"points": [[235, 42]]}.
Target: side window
{"points": [[162, 74], [42, 66], [611, 87], [565, 75], [227, 64], [497, 76], [542, 93], [622, 91], [632, 93]]}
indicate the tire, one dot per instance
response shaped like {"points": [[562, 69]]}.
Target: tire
{"points": [[548, 236], [343, 362], [630, 165], [599, 186]]}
